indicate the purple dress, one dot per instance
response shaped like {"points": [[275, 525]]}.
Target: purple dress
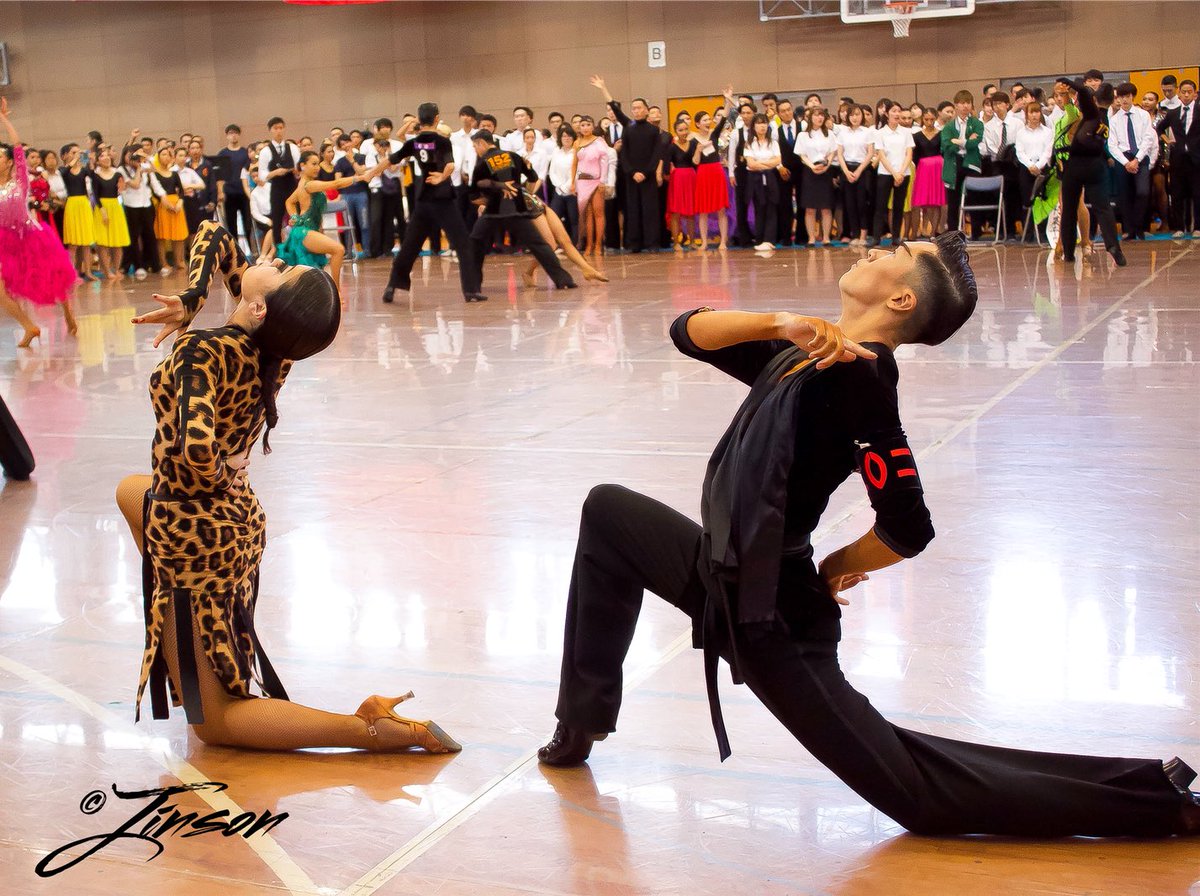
{"points": [[34, 265]]}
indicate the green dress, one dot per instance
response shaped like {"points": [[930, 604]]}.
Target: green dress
{"points": [[292, 251], [1044, 203]]}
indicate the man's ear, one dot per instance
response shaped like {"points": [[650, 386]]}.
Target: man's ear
{"points": [[904, 301]]}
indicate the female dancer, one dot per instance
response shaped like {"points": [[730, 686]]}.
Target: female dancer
{"points": [[1085, 174], [170, 221], [712, 188], [552, 230], [817, 148], [856, 149], [928, 191], [762, 159], [305, 243], [33, 263], [589, 172], [78, 225], [110, 226], [58, 190], [202, 526], [681, 185]]}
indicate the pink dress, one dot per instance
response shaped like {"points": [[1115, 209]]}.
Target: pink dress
{"points": [[34, 265], [593, 161]]}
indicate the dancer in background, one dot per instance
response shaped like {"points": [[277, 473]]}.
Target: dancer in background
{"points": [[200, 526], [712, 191], [551, 229], [681, 184], [1085, 176], [588, 173], [170, 222], [33, 263], [305, 243]]}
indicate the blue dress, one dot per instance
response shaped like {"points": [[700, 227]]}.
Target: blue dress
{"points": [[292, 251]]}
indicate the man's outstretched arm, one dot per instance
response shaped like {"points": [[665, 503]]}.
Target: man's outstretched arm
{"points": [[821, 339]]}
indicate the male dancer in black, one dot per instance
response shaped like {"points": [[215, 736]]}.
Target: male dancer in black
{"points": [[497, 182], [748, 581], [434, 208], [641, 163]]}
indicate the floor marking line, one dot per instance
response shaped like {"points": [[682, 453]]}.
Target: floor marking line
{"points": [[272, 854], [439, 830]]}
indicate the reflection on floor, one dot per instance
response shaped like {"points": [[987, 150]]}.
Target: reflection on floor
{"points": [[423, 498]]}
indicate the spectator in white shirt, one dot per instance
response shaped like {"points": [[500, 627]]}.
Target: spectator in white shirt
{"points": [[893, 150], [514, 141], [762, 161], [558, 174], [1034, 142], [856, 149], [1170, 84], [999, 157], [1133, 143], [817, 148]]}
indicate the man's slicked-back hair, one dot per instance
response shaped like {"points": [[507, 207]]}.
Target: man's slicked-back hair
{"points": [[427, 113], [946, 291]]}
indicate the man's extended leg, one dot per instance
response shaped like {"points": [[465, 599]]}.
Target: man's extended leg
{"points": [[419, 227]]}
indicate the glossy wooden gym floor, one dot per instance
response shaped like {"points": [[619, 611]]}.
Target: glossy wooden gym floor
{"points": [[423, 499]]}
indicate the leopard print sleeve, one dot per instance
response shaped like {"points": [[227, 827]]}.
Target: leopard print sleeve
{"points": [[197, 375], [213, 249]]}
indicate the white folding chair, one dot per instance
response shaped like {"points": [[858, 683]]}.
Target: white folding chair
{"points": [[983, 185]]}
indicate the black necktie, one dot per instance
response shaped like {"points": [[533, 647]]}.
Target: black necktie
{"points": [[788, 132], [1129, 131]]}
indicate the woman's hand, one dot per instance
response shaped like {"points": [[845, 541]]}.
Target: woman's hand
{"points": [[4, 108], [104, 216], [171, 315], [823, 341]]}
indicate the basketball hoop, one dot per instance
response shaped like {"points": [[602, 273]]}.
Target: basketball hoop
{"points": [[901, 14]]}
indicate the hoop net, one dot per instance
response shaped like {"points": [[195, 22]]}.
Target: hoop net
{"points": [[902, 15]]}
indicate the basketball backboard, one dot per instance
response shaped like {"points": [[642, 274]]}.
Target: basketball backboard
{"points": [[858, 11]]}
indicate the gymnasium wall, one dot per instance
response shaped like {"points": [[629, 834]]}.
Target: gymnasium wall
{"points": [[168, 67]]}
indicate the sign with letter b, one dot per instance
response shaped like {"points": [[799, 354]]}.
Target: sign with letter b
{"points": [[657, 52]]}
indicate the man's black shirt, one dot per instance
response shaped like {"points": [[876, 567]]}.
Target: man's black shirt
{"points": [[434, 152], [499, 166], [641, 146]]}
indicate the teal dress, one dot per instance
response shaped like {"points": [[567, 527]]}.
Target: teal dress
{"points": [[292, 251]]}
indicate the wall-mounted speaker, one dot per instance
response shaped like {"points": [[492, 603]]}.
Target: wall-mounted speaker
{"points": [[3, 65]]}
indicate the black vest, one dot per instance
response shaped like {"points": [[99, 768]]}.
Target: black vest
{"points": [[282, 186]]}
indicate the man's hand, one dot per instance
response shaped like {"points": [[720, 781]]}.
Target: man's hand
{"points": [[732, 180], [839, 582], [597, 82], [171, 315], [638, 177], [1132, 166], [823, 340], [508, 188], [898, 178], [658, 177], [784, 173], [434, 179]]}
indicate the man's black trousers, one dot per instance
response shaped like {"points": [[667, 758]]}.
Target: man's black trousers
{"points": [[523, 233], [431, 216], [643, 216], [629, 543]]}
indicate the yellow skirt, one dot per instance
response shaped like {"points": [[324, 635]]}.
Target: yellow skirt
{"points": [[78, 229], [169, 225], [115, 233]]}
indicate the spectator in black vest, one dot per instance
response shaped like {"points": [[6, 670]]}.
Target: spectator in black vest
{"points": [[641, 157], [789, 174], [654, 116], [277, 167], [1185, 158], [738, 177]]}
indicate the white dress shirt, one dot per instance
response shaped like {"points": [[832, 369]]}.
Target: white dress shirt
{"points": [[1173, 103], [1034, 145], [994, 129], [136, 197], [560, 170], [464, 157], [1145, 147], [610, 183], [371, 159], [264, 157]]}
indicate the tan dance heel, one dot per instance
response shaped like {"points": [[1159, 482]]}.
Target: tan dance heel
{"points": [[529, 279], [404, 733], [30, 335], [593, 274]]}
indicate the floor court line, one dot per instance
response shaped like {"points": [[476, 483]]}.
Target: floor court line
{"points": [[435, 833], [293, 877]]}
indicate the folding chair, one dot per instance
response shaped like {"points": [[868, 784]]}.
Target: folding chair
{"points": [[1038, 183], [344, 231], [983, 185]]}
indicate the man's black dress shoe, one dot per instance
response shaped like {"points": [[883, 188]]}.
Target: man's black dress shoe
{"points": [[568, 747], [1179, 772], [388, 295], [475, 297]]}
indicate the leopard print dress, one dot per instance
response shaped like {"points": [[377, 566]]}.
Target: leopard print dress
{"points": [[204, 527]]}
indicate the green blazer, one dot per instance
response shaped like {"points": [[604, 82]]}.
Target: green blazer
{"points": [[950, 150]]}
